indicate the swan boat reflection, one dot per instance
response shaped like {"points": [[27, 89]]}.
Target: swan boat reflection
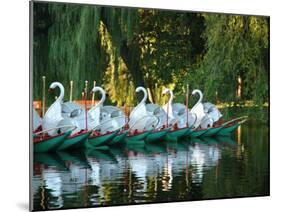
{"points": [[63, 175]]}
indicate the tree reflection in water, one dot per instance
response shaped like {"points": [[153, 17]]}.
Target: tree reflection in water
{"points": [[187, 170]]}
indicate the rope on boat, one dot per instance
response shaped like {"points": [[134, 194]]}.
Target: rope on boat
{"points": [[54, 128], [242, 118]]}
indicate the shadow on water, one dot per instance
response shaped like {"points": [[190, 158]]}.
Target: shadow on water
{"points": [[189, 169]]}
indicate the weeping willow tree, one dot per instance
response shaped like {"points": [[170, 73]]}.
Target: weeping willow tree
{"points": [[82, 43], [171, 44], [235, 66], [121, 48], [73, 51]]}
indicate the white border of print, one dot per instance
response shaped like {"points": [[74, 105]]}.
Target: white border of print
{"points": [[14, 107]]}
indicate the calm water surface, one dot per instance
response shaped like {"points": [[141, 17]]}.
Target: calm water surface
{"points": [[195, 169]]}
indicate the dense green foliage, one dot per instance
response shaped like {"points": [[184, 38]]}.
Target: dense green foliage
{"points": [[121, 48]]}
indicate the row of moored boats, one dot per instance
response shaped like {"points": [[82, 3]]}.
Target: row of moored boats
{"points": [[68, 125]]}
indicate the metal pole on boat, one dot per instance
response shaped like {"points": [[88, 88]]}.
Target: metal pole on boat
{"points": [[167, 115], [71, 91], [43, 95], [150, 95], [187, 91], [85, 95], [93, 96], [156, 94]]}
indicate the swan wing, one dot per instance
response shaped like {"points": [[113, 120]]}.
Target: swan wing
{"points": [[198, 110], [169, 107], [112, 111], [147, 122], [71, 108], [137, 113], [112, 124], [208, 106], [206, 122], [52, 118], [94, 117], [212, 111]]}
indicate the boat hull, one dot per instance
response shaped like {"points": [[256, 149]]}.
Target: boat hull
{"points": [[156, 136], [227, 130], [72, 141], [137, 139], [118, 139], [212, 131], [98, 141], [50, 144], [178, 132], [198, 133]]}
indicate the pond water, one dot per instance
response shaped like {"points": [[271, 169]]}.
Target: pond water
{"points": [[197, 169]]}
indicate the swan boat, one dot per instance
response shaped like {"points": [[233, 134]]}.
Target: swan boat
{"points": [[141, 122], [106, 123], [209, 115], [42, 142], [65, 114], [178, 118], [66, 125]]}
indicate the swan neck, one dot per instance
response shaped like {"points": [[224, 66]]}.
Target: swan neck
{"points": [[200, 98], [100, 103], [60, 98], [171, 97], [144, 96]]}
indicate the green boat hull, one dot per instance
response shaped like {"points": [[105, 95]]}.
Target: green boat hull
{"points": [[156, 136], [188, 132], [100, 154], [137, 147], [137, 139], [74, 157], [98, 141], [49, 159], [197, 133], [71, 142], [227, 130], [50, 144], [212, 131], [176, 133], [196, 140], [155, 147], [118, 139]]}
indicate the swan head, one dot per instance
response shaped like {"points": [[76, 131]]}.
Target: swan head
{"points": [[196, 91], [165, 91], [54, 85], [97, 88], [140, 88]]}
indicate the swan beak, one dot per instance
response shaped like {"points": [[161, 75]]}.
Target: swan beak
{"points": [[51, 90]]}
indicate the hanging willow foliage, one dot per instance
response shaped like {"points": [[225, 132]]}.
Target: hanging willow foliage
{"points": [[122, 48], [77, 46], [237, 48]]}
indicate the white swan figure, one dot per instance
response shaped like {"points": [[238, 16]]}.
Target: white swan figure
{"points": [[212, 111], [139, 111], [113, 118], [139, 118], [53, 116], [156, 110], [168, 108], [179, 112], [198, 108], [94, 114]]}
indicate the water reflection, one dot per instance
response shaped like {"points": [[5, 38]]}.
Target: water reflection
{"points": [[151, 173]]}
